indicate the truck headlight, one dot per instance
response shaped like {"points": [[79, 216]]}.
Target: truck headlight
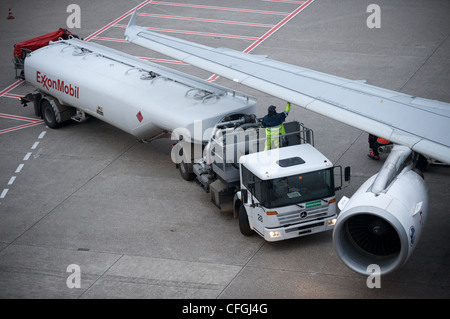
{"points": [[332, 222], [274, 234]]}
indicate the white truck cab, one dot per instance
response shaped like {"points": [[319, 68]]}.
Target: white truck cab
{"points": [[286, 193]]}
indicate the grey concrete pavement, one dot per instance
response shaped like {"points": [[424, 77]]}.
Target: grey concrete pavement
{"points": [[91, 195]]}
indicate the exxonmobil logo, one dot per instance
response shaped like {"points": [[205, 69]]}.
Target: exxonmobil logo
{"points": [[59, 85]]}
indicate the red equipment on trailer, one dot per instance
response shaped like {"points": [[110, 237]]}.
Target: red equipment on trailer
{"points": [[22, 48]]}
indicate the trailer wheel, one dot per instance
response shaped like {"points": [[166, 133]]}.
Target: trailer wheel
{"points": [[184, 171], [244, 224], [49, 115]]}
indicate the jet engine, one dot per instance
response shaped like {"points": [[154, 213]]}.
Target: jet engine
{"points": [[382, 222]]}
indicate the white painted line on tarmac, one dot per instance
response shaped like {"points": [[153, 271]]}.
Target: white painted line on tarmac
{"points": [[19, 168], [5, 191], [27, 156], [11, 181]]}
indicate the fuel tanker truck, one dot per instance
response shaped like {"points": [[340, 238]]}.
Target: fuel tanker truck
{"points": [[279, 193]]}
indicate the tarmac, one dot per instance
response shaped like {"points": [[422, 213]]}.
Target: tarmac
{"points": [[89, 199]]}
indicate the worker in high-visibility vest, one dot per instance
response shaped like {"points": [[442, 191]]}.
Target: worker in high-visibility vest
{"points": [[273, 122]]}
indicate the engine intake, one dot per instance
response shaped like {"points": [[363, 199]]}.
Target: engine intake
{"points": [[373, 234], [382, 225]]}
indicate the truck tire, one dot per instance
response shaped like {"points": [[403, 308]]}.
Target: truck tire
{"points": [[49, 115], [244, 224], [184, 171]]}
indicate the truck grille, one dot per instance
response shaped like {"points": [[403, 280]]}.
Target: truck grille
{"points": [[303, 215]]}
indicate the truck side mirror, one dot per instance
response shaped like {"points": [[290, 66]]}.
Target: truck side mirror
{"points": [[244, 195], [347, 174]]}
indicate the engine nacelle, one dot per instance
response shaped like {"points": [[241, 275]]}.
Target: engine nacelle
{"points": [[382, 227]]}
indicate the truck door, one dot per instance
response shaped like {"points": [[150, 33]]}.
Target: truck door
{"points": [[257, 196]]}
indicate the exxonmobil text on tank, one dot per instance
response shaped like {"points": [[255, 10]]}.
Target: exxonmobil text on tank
{"points": [[59, 85]]}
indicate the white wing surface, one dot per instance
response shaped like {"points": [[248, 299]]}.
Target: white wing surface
{"points": [[421, 124]]}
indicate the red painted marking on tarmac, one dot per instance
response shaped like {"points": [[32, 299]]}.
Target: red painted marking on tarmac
{"points": [[14, 96], [212, 78], [270, 32], [19, 118], [109, 39], [286, 1], [196, 33], [163, 60], [205, 34], [218, 8], [251, 24], [123, 16], [20, 127], [12, 86], [32, 122], [278, 26]]}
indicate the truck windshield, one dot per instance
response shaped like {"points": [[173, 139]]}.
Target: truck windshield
{"points": [[300, 188]]}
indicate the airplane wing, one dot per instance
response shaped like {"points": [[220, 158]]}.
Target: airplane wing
{"points": [[421, 124]]}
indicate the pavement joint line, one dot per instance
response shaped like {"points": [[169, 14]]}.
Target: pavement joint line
{"points": [[242, 269], [425, 62], [101, 276], [350, 146]]}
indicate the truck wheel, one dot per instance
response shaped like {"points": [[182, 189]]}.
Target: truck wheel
{"points": [[244, 224], [184, 171], [49, 115]]}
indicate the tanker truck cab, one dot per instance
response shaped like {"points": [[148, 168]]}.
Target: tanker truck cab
{"points": [[286, 193]]}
